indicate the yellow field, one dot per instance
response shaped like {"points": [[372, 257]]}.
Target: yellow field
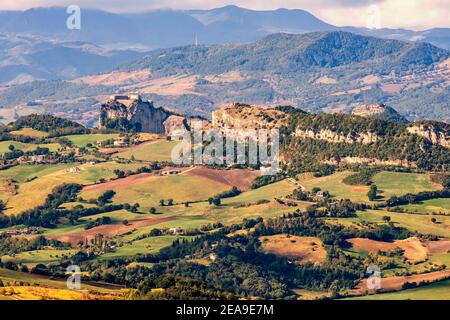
{"points": [[29, 132], [302, 249], [33, 193], [150, 151]]}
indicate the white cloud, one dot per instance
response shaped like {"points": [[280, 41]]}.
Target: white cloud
{"points": [[415, 14]]}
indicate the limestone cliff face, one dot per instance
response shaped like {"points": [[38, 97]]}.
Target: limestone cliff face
{"points": [[437, 136], [243, 117], [336, 137], [130, 112], [371, 162]]}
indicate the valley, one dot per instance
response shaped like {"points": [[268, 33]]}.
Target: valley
{"points": [[112, 201]]}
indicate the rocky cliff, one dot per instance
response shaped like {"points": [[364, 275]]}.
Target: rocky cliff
{"points": [[240, 116], [437, 133], [336, 137], [131, 113]]}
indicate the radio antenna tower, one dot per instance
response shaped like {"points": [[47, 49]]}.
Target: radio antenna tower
{"points": [[196, 40]]}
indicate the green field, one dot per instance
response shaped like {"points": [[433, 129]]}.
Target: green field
{"points": [[413, 222], [337, 188], [21, 173], [148, 193], [388, 183], [150, 151], [397, 183], [4, 146], [84, 139], [441, 205], [31, 258], [435, 291], [145, 246]]}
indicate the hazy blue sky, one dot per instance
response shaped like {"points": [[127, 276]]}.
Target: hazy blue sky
{"points": [[415, 14]]}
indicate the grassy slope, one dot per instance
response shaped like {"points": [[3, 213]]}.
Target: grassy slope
{"points": [[83, 139], [396, 183], [430, 206], [155, 151], [27, 146], [34, 192], [29, 132], [413, 222], [389, 184], [31, 258], [435, 291]]}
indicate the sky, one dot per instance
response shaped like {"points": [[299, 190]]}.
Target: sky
{"points": [[410, 14]]}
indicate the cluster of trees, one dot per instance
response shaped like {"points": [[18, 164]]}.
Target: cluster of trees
{"points": [[97, 222], [45, 122], [13, 245], [361, 178]]}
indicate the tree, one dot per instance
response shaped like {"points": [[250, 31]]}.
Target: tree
{"points": [[210, 200], [161, 203], [2, 206], [135, 207], [433, 220], [119, 173], [152, 210], [105, 197], [216, 201], [125, 222], [386, 219], [11, 147], [372, 194], [170, 202], [315, 190], [186, 204]]}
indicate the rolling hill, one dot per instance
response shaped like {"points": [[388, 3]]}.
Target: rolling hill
{"points": [[168, 28], [322, 71]]}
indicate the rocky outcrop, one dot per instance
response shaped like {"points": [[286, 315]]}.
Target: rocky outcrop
{"points": [[336, 137], [370, 161], [131, 113], [175, 123], [437, 134], [379, 111], [239, 116]]}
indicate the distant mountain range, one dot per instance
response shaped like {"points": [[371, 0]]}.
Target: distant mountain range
{"points": [[26, 57], [320, 71], [36, 44], [168, 28]]}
